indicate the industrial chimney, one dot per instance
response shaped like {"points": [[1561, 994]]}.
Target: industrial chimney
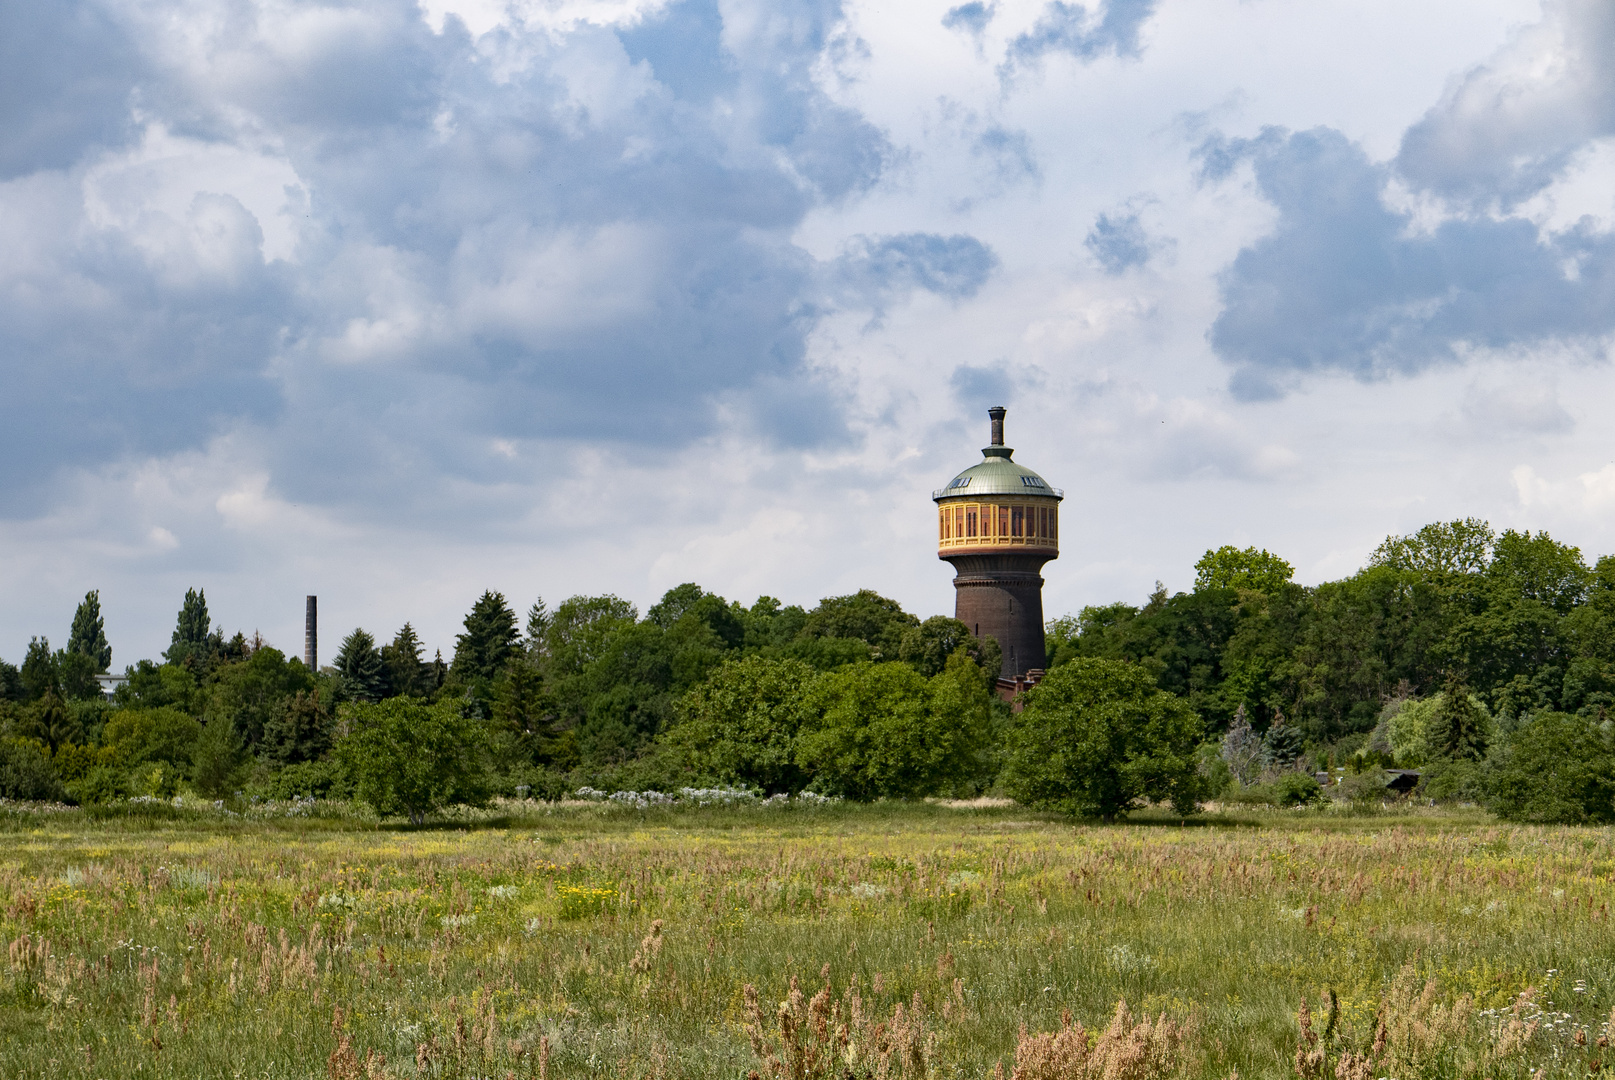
{"points": [[311, 634]]}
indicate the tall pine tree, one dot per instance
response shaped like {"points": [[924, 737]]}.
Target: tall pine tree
{"points": [[1459, 728], [490, 638], [89, 634]]}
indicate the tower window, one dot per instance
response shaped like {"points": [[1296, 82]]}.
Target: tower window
{"points": [[1003, 521], [1017, 521], [1033, 482], [970, 521]]}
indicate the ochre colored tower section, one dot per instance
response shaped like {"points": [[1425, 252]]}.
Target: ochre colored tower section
{"points": [[998, 523]]}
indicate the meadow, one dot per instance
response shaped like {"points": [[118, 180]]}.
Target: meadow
{"points": [[303, 940]]}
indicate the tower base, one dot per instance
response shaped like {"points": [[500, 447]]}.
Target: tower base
{"points": [[1001, 596]]}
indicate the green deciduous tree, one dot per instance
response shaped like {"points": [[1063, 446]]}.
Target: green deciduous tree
{"points": [[152, 736], [1229, 567], [26, 773], [885, 731], [1555, 769], [491, 637], [217, 758], [741, 725], [409, 758], [364, 674], [1098, 738], [89, 635], [927, 647], [864, 616]]}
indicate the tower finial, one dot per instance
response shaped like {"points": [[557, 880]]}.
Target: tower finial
{"points": [[997, 414]]}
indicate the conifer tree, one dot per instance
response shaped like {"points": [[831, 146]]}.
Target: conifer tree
{"points": [[1459, 727], [1242, 748], [406, 674], [489, 640], [1283, 743], [89, 636], [364, 675], [190, 637]]}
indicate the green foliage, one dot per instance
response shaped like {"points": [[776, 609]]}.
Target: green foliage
{"points": [[252, 693], [1098, 738], [11, 686], [885, 731], [403, 669], [1297, 789], [152, 736], [409, 758], [298, 730], [490, 639], [1460, 728], [1230, 568], [863, 616], [191, 641], [26, 773], [100, 785], [51, 722], [364, 673], [1282, 745], [89, 636], [218, 758], [740, 726], [76, 677], [155, 686], [1555, 769], [927, 647], [526, 721], [323, 779], [1451, 547], [39, 673]]}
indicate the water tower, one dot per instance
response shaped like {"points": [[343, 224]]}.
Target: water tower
{"points": [[998, 523]]}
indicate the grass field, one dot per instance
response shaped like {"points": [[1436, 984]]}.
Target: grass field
{"points": [[608, 941]]}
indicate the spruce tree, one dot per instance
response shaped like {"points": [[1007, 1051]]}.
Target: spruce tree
{"points": [[489, 640], [1283, 744], [1242, 748], [406, 674], [364, 676], [1459, 728], [89, 635]]}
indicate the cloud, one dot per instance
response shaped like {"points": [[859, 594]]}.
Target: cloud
{"points": [[1112, 29], [1528, 408], [1343, 283], [877, 267], [981, 387], [356, 239], [971, 18], [1119, 242], [1510, 126]]}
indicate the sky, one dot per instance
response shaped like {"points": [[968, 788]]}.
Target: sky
{"points": [[394, 303]]}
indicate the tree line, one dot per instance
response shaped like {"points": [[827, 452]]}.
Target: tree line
{"points": [[1455, 651]]}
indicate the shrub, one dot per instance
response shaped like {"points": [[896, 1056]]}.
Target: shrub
{"points": [[142, 736], [885, 731], [325, 779], [1098, 738], [1297, 789], [102, 784], [409, 758], [26, 773], [741, 725], [1555, 769]]}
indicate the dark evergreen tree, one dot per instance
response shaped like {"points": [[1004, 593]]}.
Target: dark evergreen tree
{"points": [[525, 715], [89, 636], [11, 688], [51, 722], [490, 638], [364, 675], [1283, 743], [299, 731], [191, 640], [405, 672], [538, 628], [39, 672], [1460, 729]]}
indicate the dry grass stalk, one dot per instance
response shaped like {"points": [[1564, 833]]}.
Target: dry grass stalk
{"points": [[823, 1038], [1128, 1049]]}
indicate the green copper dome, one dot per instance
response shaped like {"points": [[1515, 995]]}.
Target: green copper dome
{"points": [[996, 474]]}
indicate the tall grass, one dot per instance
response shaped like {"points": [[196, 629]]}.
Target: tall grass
{"points": [[890, 940]]}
